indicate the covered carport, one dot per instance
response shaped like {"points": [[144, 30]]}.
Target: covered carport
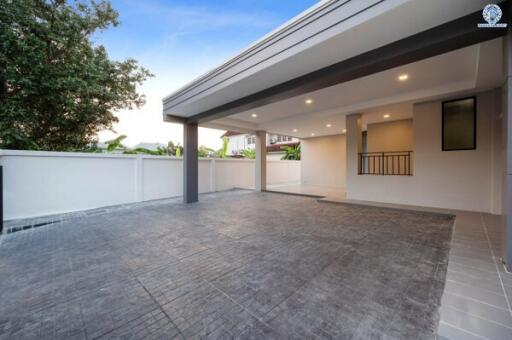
{"points": [[314, 76]]}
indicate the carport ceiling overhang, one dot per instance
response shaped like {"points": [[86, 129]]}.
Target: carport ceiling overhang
{"points": [[473, 68], [256, 78]]}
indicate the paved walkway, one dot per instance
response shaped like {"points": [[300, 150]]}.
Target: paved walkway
{"points": [[236, 265], [478, 292]]}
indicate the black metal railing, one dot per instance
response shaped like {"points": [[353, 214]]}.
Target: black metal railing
{"points": [[397, 163]]}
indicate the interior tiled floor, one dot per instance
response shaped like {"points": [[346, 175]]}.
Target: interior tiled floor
{"points": [[236, 265]]}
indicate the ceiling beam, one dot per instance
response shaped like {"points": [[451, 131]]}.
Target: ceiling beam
{"points": [[448, 37]]}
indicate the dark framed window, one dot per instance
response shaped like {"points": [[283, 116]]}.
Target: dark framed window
{"points": [[459, 124]]}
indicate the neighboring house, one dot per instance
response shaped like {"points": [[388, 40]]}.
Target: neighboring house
{"points": [[242, 141], [150, 146]]}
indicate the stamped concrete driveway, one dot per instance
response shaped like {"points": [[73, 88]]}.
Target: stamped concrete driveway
{"points": [[236, 265]]}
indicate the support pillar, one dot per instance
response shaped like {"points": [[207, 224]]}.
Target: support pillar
{"points": [[261, 161], [507, 145], [190, 163], [354, 139]]}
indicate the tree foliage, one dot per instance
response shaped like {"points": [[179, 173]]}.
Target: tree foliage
{"points": [[204, 152], [116, 144], [292, 153], [57, 89], [174, 149], [249, 153], [223, 151]]}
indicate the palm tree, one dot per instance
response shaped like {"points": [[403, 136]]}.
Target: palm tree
{"points": [[160, 151], [249, 153], [223, 152], [292, 153], [116, 144]]}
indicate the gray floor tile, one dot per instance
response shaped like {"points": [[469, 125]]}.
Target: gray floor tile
{"points": [[492, 283], [506, 278], [448, 332], [475, 272], [485, 311], [471, 254], [488, 266], [475, 325], [471, 292]]}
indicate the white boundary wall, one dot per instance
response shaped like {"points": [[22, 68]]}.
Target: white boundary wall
{"points": [[38, 183]]}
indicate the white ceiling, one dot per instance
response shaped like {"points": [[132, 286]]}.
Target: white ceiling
{"points": [[469, 69]]}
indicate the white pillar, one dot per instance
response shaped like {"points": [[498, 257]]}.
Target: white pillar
{"points": [[354, 137], [261, 161]]}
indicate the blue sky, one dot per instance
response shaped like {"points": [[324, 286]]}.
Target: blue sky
{"points": [[179, 40]]}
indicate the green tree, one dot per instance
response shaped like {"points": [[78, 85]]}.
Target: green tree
{"points": [[204, 152], [174, 149], [158, 152], [116, 144], [223, 152], [292, 153], [249, 153], [57, 89]]}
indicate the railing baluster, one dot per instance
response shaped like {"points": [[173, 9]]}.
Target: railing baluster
{"points": [[409, 159], [382, 163], [377, 163]]}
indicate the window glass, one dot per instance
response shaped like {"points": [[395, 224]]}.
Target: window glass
{"points": [[459, 124]]}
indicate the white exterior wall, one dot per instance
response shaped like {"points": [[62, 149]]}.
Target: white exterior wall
{"points": [[44, 183], [392, 136], [323, 161], [283, 172], [238, 143], [465, 180]]}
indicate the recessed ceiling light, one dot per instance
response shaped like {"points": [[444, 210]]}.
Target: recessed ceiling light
{"points": [[312, 134], [309, 101], [344, 130], [329, 125], [254, 115], [386, 115], [403, 77], [295, 130]]}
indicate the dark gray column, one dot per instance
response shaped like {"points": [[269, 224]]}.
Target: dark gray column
{"points": [[190, 163]]}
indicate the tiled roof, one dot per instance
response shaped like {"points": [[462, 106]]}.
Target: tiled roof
{"points": [[231, 133]]}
